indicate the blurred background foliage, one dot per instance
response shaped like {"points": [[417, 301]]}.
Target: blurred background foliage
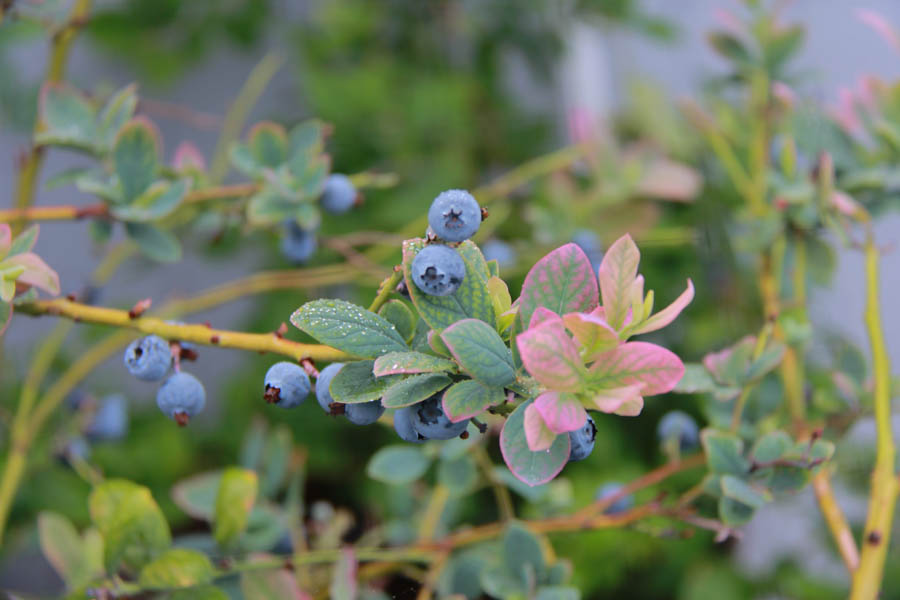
{"points": [[422, 89]]}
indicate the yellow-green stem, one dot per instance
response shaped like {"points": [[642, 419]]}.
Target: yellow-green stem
{"points": [[883, 496]]}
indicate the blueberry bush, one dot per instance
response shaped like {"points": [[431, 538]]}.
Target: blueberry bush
{"points": [[481, 358]]}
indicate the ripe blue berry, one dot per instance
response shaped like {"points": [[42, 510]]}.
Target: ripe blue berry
{"points": [[339, 194], [454, 215], [110, 421], [620, 505], [438, 270], [364, 413], [287, 385], [582, 441], [429, 420], [403, 425], [181, 397], [75, 448], [323, 395], [500, 251], [298, 244], [148, 358], [678, 425]]}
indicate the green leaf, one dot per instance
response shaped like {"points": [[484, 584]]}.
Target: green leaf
{"points": [[310, 176], [135, 157], [65, 550], [132, 525], [771, 446], [6, 312], [196, 495], [473, 257], [24, 242], [458, 475], [268, 144], [557, 592], [153, 242], [158, 201], [90, 183], [724, 453], [355, 383], [414, 389], [243, 160], [406, 363], [397, 465], [67, 177], [307, 139], [522, 548], [467, 399], [270, 585], [399, 315], [177, 568], [696, 380], [203, 592], [234, 500], [480, 351], [729, 47], [767, 361], [118, 110], [348, 327], [734, 513], [471, 300], [279, 445], [271, 206], [68, 118], [532, 468], [265, 526], [741, 491]]}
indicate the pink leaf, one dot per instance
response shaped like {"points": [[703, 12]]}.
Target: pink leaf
{"points": [[844, 203], [625, 401], [617, 273], [592, 332], [37, 272], [668, 314], [188, 156], [784, 93], [881, 26], [537, 434], [551, 357], [561, 412], [5, 239], [563, 281], [635, 363], [542, 315]]}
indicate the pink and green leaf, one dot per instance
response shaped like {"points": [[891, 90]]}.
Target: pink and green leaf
{"points": [[638, 363], [542, 315], [617, 274], [551, 357], [537, 434], [561, 412], [5, 239], [592, 332], [562, 281], [625, 401], [532, 468], [668, 314], [37, 273], [468, 398]]}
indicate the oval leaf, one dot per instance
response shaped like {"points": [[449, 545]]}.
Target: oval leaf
{"points": [[135, 157], [467, 399], [532, 468], [348, 327], [234, 500], [563, 281], [411, 362], [480, 351], [177, 568], [397, 465], [617, 274], [415, 389], [550, 356], [355, 383], [638, 363]]}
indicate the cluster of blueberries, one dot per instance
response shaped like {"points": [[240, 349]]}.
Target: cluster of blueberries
{"points": [[338, 196], [182, 395]]}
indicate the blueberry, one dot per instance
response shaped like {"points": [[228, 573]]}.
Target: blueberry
{"points": [[403, 425], [438, 270], [364, 413], [181, 397], [287, 385], [454, 215], [298, 244], [148, 358], [582, 441], [678, 425], [429, 420], [620, 505], [323, 395], [74, 448], [589, 242], [110, 422], [500, 251], [339, 194], [78, 398]]}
